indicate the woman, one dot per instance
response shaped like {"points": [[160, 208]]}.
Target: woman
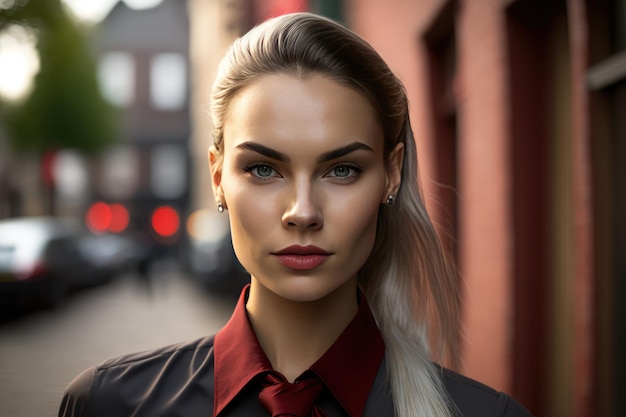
{"points": [[314, 163]]}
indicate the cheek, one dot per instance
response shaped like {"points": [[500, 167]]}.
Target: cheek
{"points": [[355, 220], [248, 210]]}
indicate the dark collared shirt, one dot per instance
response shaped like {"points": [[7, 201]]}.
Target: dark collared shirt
{"points": [[221, 375], [348, 368]]}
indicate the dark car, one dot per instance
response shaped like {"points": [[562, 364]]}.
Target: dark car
{"points": [[40, 261], [109, 254], [211, 259]]}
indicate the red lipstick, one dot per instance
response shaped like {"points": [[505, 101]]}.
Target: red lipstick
{"points": [[302, 258]]}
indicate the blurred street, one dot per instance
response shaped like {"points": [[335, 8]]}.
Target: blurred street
{"points": [[41, 352], [517, 112]]}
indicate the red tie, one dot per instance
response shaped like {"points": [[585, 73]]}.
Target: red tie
{"points": [[282, 398]]}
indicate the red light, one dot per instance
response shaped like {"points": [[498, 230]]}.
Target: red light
{"points": [[165, 221], [98, 217], [119, 218]]}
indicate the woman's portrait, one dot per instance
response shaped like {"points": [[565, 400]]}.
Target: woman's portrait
{"points": [[352, 308]]}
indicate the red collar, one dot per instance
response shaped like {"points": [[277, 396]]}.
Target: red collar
{"points": [[348, 368]]}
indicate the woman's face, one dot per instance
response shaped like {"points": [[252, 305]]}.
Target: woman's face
{"points": [[303, 176]]}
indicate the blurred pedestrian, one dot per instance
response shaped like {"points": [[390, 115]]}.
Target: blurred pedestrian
{"points": [[314, 162], [149, 253], [147, 257]]}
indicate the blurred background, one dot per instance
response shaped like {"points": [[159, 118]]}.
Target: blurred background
{"points": [[110, 242]]}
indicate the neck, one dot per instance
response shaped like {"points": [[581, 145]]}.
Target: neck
{"points": [[294, 334]]}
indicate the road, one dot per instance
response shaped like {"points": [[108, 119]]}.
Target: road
{"points": [[41, 352]]}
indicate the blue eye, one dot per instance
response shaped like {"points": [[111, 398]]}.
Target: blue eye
{"points": [[342, 171], [263, 171]]}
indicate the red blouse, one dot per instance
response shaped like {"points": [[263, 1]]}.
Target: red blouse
{"points": [[348, 368]]}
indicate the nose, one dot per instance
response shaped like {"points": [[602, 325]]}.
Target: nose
{"points": [[303, 210]]}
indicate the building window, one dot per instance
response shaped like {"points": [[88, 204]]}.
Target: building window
{"points": [[120, 175], [167, 171], [116, 73], [168, 81], [606, 79]]}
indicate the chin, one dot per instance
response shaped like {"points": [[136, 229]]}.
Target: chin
{"points": [[305, 289]]}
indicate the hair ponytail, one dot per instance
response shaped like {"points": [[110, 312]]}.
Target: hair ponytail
{"points": [[409, 284]]}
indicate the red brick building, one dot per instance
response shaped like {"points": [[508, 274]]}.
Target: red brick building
{"points": [[519, 111]]}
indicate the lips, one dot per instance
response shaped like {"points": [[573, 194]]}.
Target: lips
{"points": [[302, 258]]}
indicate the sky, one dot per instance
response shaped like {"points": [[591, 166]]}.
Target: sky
{"points": [[19, 62], [95, 10]]}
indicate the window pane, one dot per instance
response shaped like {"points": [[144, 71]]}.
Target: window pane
{"points": [[168, 171], [168, 80], [120, 178], [116, 72]]}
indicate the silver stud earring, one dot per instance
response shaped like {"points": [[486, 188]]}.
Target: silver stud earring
{"points": [[220, 207], [390, 200]]}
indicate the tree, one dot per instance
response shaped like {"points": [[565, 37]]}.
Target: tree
{"points": [[66, 108]]}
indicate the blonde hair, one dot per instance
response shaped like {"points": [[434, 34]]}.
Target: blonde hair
{"points": [[411, 287]]}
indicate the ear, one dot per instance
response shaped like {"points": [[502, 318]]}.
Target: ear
{"points": [[394, 171], [215, 165]]}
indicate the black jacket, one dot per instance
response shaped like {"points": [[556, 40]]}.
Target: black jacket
{"points": [[178, 381]]}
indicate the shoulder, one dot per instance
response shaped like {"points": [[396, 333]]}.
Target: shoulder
{"points": [[177, 352], [117, 385], [474, 399]]}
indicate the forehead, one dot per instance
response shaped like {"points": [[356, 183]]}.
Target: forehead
{"points": [[283, 109]]}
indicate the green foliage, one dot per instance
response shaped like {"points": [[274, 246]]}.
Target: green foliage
{"points": [[66, 108]]}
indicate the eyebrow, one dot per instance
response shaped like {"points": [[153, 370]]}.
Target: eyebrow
{"points": [[325, 157], [263, 150], [344, 150]]}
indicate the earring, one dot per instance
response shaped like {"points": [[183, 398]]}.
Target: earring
{"points": [[220, 207], [390, 200]]}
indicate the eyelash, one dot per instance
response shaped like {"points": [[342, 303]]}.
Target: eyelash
{"points": [[352, 176], [251, 168], [355, 172]]}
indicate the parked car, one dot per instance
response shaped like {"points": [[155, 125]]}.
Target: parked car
{"points": [[41, 260], [211, 259], [109, 254]]}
